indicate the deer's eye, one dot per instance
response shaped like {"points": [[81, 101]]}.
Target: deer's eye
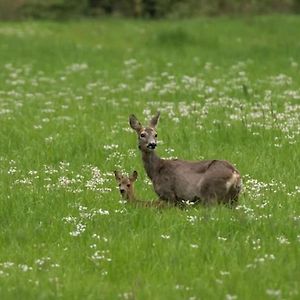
{"points": [[143, 135], [156, 135], [128, 185]]}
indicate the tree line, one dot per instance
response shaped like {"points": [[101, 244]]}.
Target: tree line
{"points": [[152, 9]]}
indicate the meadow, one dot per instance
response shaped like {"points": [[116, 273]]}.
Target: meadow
{"points": [[226, 89]]}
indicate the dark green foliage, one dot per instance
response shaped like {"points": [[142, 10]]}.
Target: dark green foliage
{"points": [[61, 9]]}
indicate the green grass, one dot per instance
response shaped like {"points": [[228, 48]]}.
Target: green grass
{"points": [[226, 88]]}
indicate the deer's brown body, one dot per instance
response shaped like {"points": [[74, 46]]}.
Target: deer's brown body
{"points": [[177, 181]]}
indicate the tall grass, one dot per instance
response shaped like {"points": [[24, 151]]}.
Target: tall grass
{"points": [[226, 89]]}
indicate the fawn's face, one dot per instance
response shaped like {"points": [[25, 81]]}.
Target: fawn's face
{"points": [[147, 136], [126, 184]]}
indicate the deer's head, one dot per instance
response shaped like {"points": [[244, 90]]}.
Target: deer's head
{"points": [[147, 136], [126, 187]]}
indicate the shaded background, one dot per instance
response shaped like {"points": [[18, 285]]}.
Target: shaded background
{"points": [[66, 9]]}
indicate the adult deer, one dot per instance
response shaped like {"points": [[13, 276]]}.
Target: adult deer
{"points": [[179, 181], [126, 188]]}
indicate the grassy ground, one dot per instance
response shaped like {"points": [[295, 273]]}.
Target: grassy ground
{"points": [[225, 88]]}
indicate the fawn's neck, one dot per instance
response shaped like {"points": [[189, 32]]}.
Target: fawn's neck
{"points": [[131, 196], [151, 163]]}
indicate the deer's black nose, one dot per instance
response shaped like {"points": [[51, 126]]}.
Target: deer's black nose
{"points": [[122, 191], [151, 145]]}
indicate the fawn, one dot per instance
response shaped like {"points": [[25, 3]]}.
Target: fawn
{"points": [[179, 181], [126, 188]]}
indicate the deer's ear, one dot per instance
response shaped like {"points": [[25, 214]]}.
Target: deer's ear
{"points": [[134, 176], [117, 175], [134, 123], [154, 120]]}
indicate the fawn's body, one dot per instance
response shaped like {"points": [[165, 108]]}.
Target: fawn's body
{"points": [[126, 188], [177, 181]]}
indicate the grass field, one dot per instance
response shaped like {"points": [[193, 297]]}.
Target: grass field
{"points": [[227, 89]]}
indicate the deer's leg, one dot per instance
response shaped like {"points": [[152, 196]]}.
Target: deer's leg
{"points": [[213, 191]]}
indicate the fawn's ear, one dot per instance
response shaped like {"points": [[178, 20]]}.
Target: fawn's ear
{"points": [[154, 120], [134, 123], [133, 176], [118, 175]]}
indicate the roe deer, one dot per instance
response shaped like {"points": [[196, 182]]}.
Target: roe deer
{"points": [[177, 181], [126, 188]]}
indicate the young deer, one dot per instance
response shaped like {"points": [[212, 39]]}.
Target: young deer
{"points": [[178, 181], [126, 188]]}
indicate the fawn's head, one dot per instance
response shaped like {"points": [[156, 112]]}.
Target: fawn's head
{"points": [[147, 136], [126, 184]]}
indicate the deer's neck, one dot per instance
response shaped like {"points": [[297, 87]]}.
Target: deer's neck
{"points": [[151, 163]]}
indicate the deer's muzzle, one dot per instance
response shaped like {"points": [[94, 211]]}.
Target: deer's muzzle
{"points": [[151, 146]]}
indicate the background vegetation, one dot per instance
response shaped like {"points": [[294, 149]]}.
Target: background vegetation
{"points": [[62, 9]]}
